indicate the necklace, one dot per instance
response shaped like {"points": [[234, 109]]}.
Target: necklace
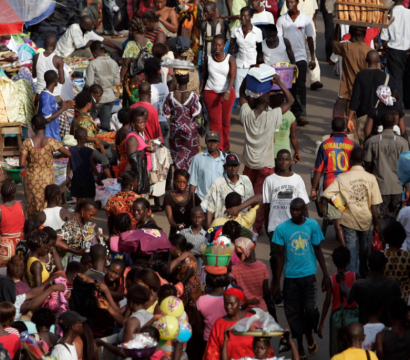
{"points": [[217, 60]]}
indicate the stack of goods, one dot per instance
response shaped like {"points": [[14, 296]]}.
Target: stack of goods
{"points": [[218, 253], [77, 63], [103, 193], [60, 171]]}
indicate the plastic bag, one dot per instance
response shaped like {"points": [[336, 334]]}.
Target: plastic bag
{"points": [[260, 321], [376, 244]]}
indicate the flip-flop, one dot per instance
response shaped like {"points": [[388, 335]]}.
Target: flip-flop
{"points": [[314, 348], [302, 357]]}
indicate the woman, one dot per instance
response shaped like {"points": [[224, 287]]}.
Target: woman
{"points": [[152, 30], [179, 203], [37, 155], [137, 42], [179, 268], [11, 222], [120, 136], [73, 236], [142, 214], [54, 215], [398, 261], [122, 201], [150, 280], [385, 104], [37, 272], [167, 18], [238, 346], [138, 152], [248, 39], [83, 104], [43, 318], [219, 96], [184, 109]]}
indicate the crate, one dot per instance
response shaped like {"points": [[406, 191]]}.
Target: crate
{"points": [[386, 19]]}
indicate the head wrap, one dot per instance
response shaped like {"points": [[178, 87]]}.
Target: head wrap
{"points": [[384, 94], [216, 270], [7, 290], [189, 55], [244, 246], [136, 25], [238, 293]]}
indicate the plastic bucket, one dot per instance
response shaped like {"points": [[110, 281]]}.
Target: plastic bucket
{"points": [[217, 260], [14, 174], [286, 76]]}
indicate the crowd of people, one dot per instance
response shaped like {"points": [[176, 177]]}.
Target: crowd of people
{"points": [[81, 294]]}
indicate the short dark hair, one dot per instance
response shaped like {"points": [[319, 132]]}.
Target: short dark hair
{"points": [[377, 261], [394, 234], [271, 28], [248, 9], [85, 204], [165, 291], [39, 122], [138, 294], [122, 222], [283, 151], [136, 113], [219, 36], [143, 202], [211, 4], [8, 189], [341, 256], [388, 120], [217, 281], [96, 46], [152, 66], [52, 234], [181, 241], [338, 124], [150, 16], [123, 116], [119, 262], [74, 267], [7, 313], [357, 156], [80, 134], [96, 89], [43, 317], [30, 225], [82, 99], [149, 278], [181, 172], [50, 76], [232, 229], [127, 178], [98, 252], [37, 239], [159, 49], [51, 192], [233, 199], [398, 309]]}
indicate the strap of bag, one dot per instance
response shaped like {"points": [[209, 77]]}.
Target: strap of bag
{"points": [[367, 354]]}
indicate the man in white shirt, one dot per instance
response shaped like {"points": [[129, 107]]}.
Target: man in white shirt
{"points": [[77, 39], [309, 7], [396, 41], [294, 26], [72, 325], [260, 124]]}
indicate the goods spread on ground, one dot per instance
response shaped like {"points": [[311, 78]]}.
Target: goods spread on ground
{"points": [[76, 63]]}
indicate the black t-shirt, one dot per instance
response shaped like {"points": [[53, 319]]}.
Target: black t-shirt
{"points": [[364, 289], [80, 164], [377, 114]]}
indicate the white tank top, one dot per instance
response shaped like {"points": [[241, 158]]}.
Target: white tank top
{"points": [[53, 218], [44, 64], [276, 55], [217, 75]]}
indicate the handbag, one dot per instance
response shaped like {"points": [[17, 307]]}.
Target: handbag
{"points": [[139, 166], [137, 65], [376, 244]]}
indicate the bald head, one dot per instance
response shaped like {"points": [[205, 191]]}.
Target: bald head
{"points": [[144, 89], [298, 203], [355, 332], [50, 43], [372, 57], [87, 23]]}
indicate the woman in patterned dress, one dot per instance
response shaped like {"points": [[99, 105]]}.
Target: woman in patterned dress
{"points": [[184, 108], [37, 155]]}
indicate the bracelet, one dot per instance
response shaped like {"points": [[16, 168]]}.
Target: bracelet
{"points": [[296, 154], [313, 190], [228, 91]]}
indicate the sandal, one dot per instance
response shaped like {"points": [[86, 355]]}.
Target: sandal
{"points": [[314, 348], [302, 357]]}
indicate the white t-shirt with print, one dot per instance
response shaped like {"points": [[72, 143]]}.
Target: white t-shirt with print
{"points": [[159, 93], [62, 353], [264, 17], [279, 191], [371, 330]]}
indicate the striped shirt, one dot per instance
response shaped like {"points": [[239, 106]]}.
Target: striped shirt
{"points": [[195, 239], [152, 35], [209, 31]]}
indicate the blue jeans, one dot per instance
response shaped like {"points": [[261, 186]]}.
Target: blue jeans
{"points": [[358, 265], [105, 114]]}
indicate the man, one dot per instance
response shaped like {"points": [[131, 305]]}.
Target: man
{"points": [[355, 337], [396, 42], [105, 72], [206, 166], [360, 191], [47, 106], [152, 126], [375, 286], [298, 242], [260, 15], [275, 48], [77, 39], [211, 26], [279, 189], [364, 97], [260, 125], [382, 155], [294, 26], [354, 53], [45, 61], [326, 8], [72, 325], [333, 159], [309, 7], [214, 200]]}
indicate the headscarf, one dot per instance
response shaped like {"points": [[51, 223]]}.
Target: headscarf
{"points": [[7, 290], [244, 246], [384, 94], [189, 55], [238, 293], [25, 74], [136, 25]]}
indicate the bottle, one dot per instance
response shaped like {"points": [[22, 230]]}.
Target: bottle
{"points": [[203, 248], [222, 248], [214, 249], [228, 249], [209, 248]]}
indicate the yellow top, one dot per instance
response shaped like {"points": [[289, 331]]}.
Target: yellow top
{"points": [[354, 354], [44, 273], [247, 220]]}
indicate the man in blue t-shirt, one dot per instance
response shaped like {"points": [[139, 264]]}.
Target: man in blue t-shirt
{"points": [[48, 107], [298, 241]]}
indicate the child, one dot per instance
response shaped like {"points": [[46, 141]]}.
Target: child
{"points": [[374, 308], [261, 347], [154, 333], [48, 106], [82, 164], [37, 272], [341, 258], [122, 224], [54, 260], [30, 225]]}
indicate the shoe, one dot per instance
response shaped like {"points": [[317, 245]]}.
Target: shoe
{"points": [[302, 121], [316, 85], [314, 348]]}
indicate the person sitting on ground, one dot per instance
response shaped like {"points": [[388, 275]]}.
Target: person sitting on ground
{"points": [[374, 308], [54, 215], [355, 337], [43, 318], [394, 343], [339, 316]]}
